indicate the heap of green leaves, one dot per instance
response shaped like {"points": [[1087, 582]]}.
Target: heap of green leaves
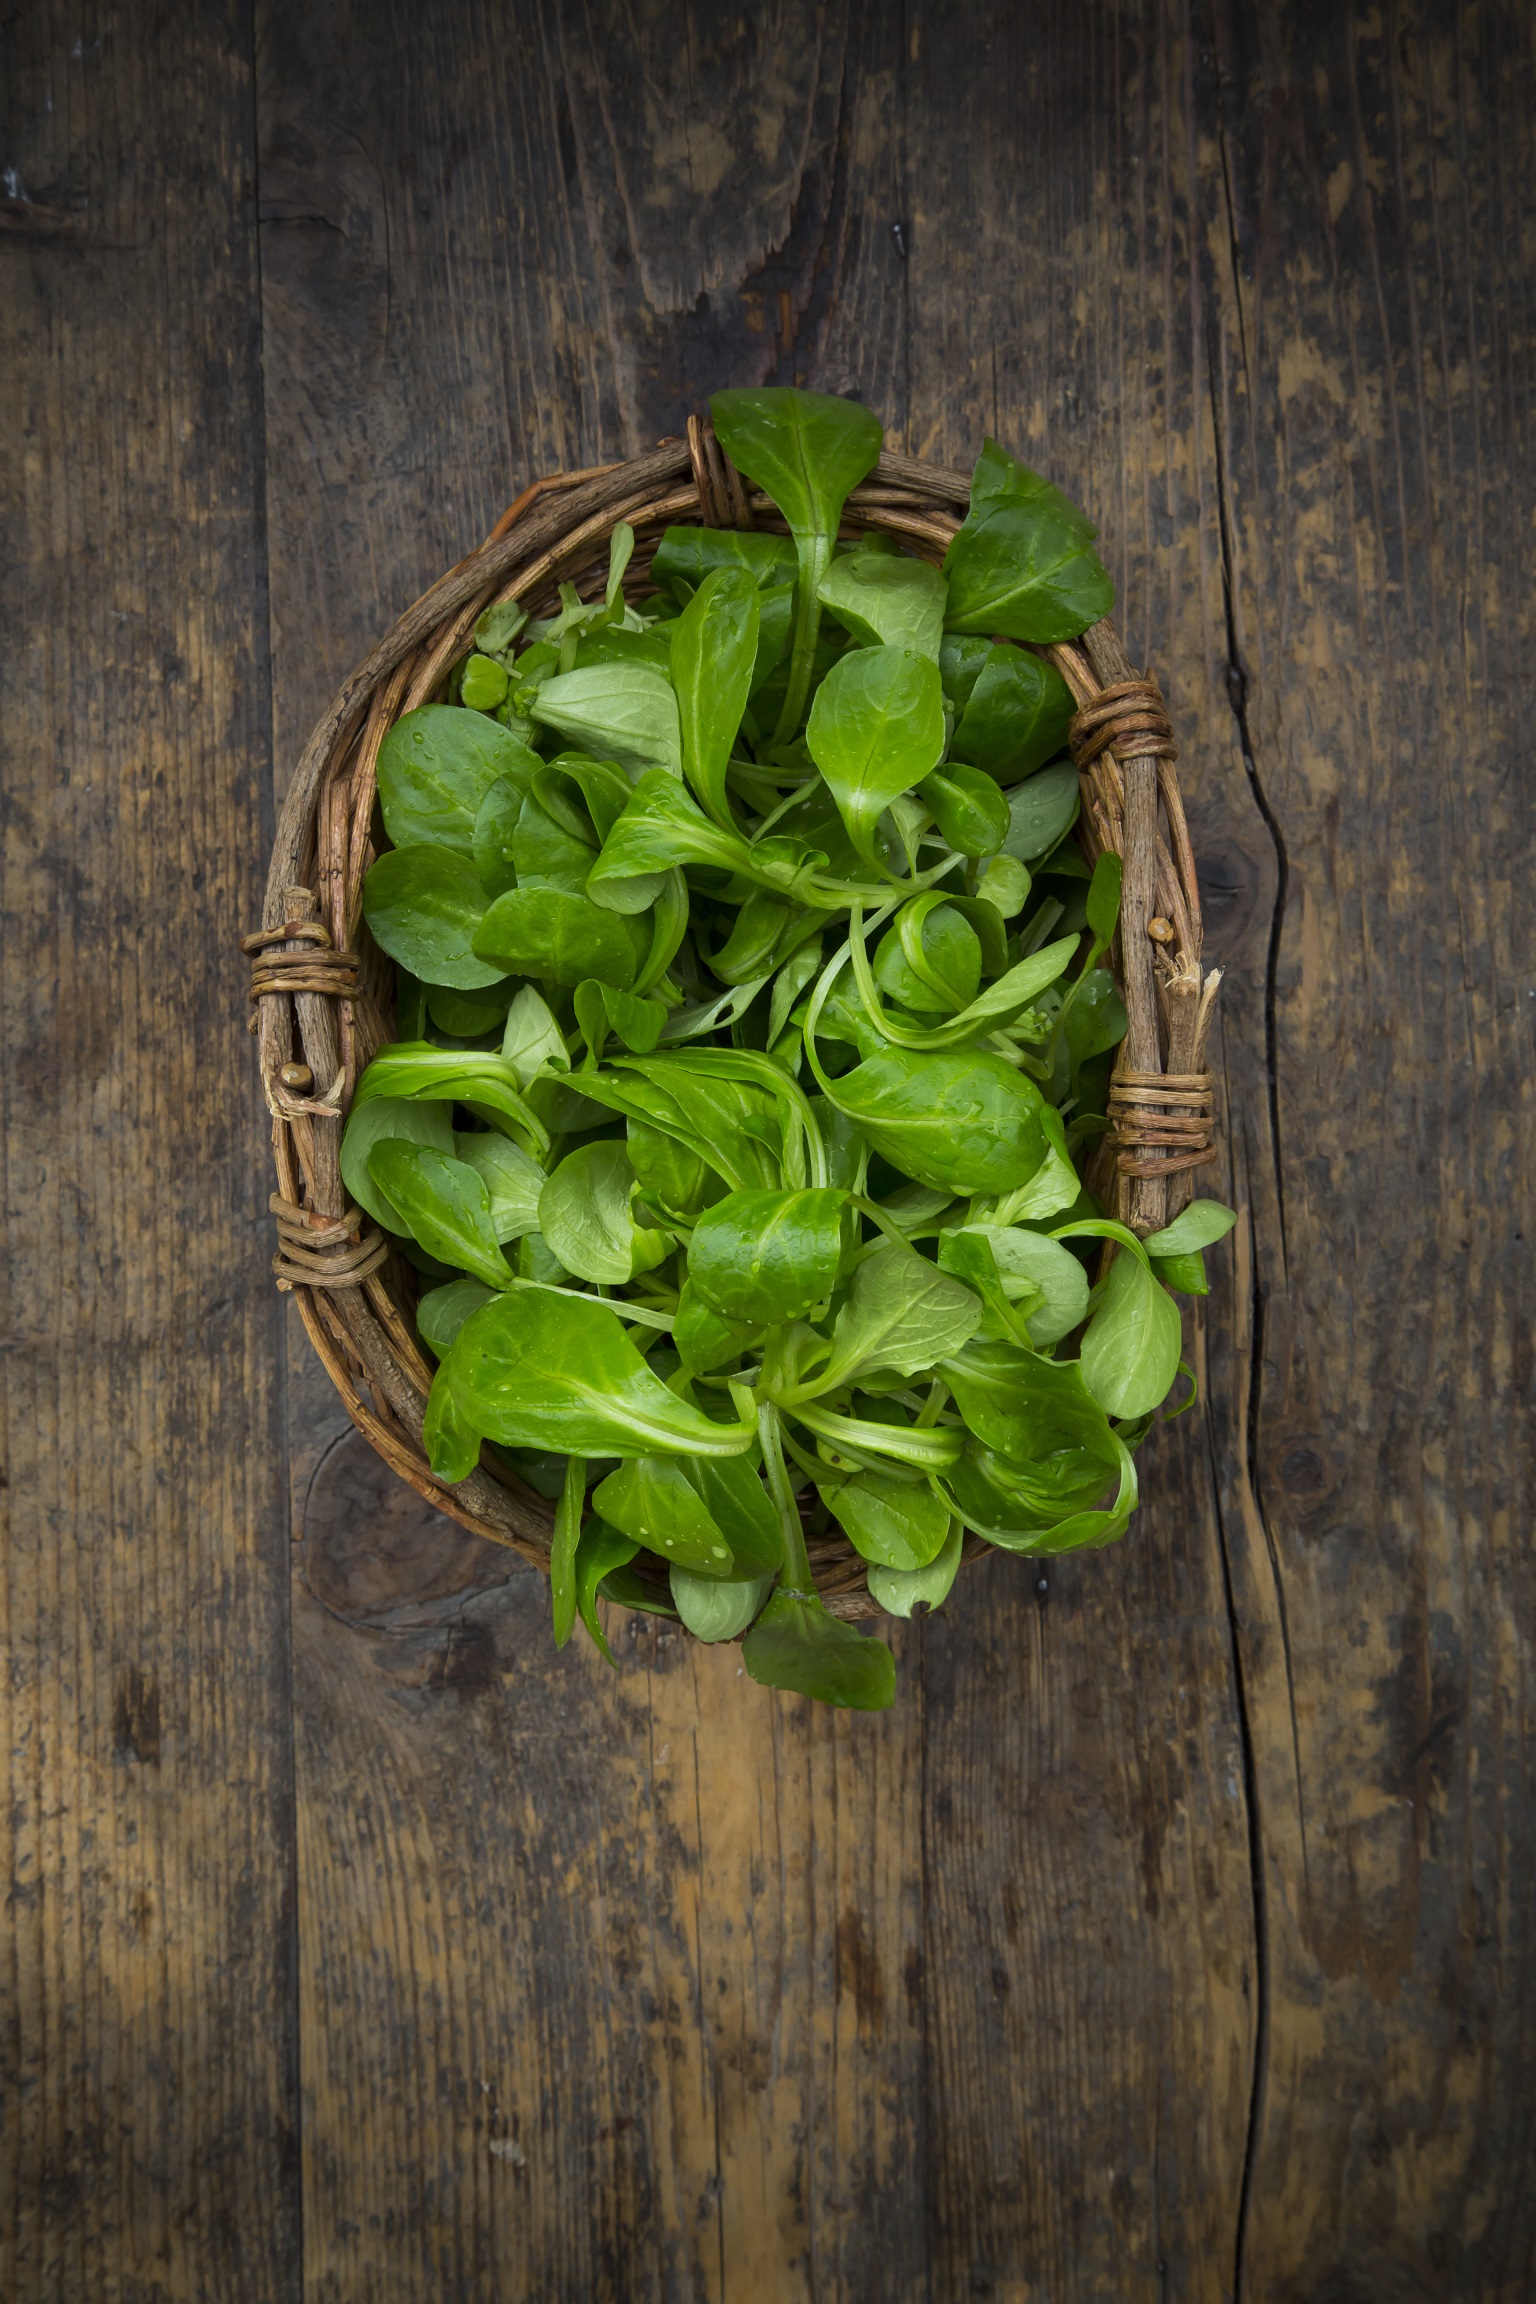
{"points": [[754, 1012]]}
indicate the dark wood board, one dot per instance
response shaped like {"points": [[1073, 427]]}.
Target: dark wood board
{"points": [[149, 2029], [1172, 1938], [1378, 445]]}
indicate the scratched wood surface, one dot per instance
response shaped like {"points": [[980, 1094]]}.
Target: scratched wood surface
{"points": [[1173, 1936]]}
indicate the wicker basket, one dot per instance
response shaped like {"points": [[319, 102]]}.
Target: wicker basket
{"points": [[322, 992]]}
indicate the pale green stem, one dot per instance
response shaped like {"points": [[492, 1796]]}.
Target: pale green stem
{"points": [[815, 557], [795, 1575]]}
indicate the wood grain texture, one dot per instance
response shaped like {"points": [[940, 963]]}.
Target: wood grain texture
{"points": [[1372, 365], [1172, 1937], [1090, 1769], [670, 2042], [607, 1980], [149, 2081]]}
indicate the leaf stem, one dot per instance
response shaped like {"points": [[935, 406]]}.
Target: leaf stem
{"points": [[795, 1575], [815, 557], [641, 1314]]}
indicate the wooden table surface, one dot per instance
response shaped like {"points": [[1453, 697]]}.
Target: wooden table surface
{"points": [[1171, 1940]]}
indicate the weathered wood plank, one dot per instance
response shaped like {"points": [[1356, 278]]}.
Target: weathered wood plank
{"points": [[1092, 1960], [455, 260], [149, 2082], [1371, 231], [604, 1976], [610, 1986]]}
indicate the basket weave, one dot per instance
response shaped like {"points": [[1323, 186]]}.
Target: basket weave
{"points": [[322, 992]]}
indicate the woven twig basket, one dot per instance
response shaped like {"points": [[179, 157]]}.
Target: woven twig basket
{"points": [[322, 992]]}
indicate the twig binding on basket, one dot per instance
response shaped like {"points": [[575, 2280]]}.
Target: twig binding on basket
{"points": [[1156, 1109], [295, 959], [320, 968], [324, 1252], [1130, 716], [1161, 1098]]}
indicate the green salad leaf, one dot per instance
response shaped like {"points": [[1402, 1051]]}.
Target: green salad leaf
{"points": [[809, 451], [435, 768]]}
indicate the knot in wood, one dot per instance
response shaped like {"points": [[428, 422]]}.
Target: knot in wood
{"points": [[1129, 719], [722, 491], [1162, 1121], [316, 1251]]}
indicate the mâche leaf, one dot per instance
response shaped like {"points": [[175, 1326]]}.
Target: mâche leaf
{"points": [[961, 657], [714, 1608], [962, 1119], [446, 1205], [1104, 899], [661, 827], [1004, 885], [495, 830], [796, 1645], [652, 1499], [487, 1083], [999, 478], [542, 1369], [706, 1339], [371, 1123], [1041, 812], [930, 961], [584, 1215], [885, 598], [895, 1523], [1016, 717], [600, 1010], [967, 807], [669, 1173], [435, 768], [761, 1256], [442, 1312], [808, 450], [713, 651], [1201, 1225], [1015, 572], [533, 1042], [902, 1590], [707, 1515], [623, 712], [564, 1546], [902, 1315], [424, 907], [1029, 1264], [740, 1507], [1022, 563], [600, 1552], [686, 556], [559, 937], [1134, 1341], [876, 729], [469, 1015]]}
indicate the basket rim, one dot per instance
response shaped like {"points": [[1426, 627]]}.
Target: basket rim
{"points": [[323, 986]]}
